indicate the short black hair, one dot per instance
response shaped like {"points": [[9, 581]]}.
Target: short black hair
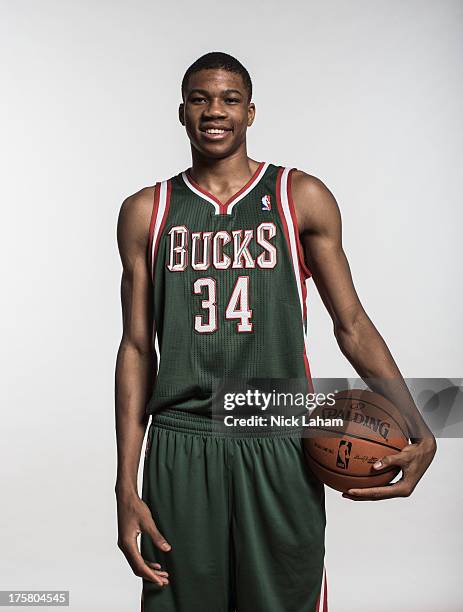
{"points": [[215, 60]]}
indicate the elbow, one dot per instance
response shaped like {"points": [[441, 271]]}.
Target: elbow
{"points": [[139, 347], [348, 332], [347, 341]]}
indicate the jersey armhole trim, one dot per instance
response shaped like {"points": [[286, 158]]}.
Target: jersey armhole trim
{"points": [[292, 209], [160, 212], [154, 213]]}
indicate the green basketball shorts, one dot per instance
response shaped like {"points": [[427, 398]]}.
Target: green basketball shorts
{"points": [[243, 513]]}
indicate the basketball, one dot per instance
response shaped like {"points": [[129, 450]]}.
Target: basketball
{"points": [[342, 456]]}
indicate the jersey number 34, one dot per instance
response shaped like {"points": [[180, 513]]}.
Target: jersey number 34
{"points": [[237, 307]]}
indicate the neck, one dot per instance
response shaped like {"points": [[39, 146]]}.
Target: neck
{"points": [[221, 174]]}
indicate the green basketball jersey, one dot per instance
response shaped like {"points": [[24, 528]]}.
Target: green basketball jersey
{"points": [[229, 284]]}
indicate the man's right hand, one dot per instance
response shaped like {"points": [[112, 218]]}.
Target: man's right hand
{"points": [[133, 518]]}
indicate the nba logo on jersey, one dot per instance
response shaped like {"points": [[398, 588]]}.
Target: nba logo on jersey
{"points": [[265, 203]]}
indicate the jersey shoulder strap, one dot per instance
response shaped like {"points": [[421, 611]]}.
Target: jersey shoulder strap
{"points": [[288, 216], [161, 203]]}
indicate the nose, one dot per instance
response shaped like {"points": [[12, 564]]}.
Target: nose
{"points": [[215, 109]]}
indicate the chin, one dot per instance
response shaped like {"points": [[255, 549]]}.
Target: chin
{"points": [[214, 151]]}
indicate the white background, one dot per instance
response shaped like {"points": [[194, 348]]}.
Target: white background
{"points": [[365, 95]]}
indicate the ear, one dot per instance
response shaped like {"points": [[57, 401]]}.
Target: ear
{"points": [[251, 113], [181, 113]]}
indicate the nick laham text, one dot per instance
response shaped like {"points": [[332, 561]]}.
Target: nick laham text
{"points": [[281, 421]]}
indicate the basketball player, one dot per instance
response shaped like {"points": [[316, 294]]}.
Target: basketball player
{"points": [[215, 262]]}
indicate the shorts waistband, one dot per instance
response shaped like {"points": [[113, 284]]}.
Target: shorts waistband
{"points": [[193, 423]]}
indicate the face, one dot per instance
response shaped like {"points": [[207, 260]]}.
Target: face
{"points": [[216, 112]]}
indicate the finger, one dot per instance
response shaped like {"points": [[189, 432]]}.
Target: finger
{"points": [[137, 563], [158, 539], [157, 568], [162, 575], [165, 579], [398, 489], [399, 459]]}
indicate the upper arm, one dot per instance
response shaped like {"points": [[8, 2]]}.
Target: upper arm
{"points": [[320, 228], [136, 285]]}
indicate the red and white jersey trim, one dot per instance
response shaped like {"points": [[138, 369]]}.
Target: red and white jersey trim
{"points": [[292, 235], [158, 219], [322, 601], [225, 209], [287, 213], [161, 203]]}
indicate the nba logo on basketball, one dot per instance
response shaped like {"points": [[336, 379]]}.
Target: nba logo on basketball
{"points": [[344, 454], [265, 203]]}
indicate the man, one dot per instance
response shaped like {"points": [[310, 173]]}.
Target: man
{"points": [[215, 263]]}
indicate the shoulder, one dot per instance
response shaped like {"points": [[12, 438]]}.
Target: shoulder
{"points": [[137, 205], [134, 219], [314, 203], [307, 183]]}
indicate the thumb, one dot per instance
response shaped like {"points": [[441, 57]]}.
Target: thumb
{"points": [[388, 460], [158, 539]]}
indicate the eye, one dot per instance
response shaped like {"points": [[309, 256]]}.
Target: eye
{"points": [[233, 100], [195, 99]]}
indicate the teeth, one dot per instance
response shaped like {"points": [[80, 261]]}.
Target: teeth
{"points": [[215, 131]]}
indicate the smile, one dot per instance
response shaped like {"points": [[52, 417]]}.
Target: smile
{"points": [[215, 133]]}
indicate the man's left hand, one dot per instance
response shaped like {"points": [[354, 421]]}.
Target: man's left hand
{"points": [[413, 460]]}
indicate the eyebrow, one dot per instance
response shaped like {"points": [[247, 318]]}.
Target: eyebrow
{"points": [[226, 91]]}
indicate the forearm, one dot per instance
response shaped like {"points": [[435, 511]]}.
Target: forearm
{"points": [[366, 350], [133, 384]]}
